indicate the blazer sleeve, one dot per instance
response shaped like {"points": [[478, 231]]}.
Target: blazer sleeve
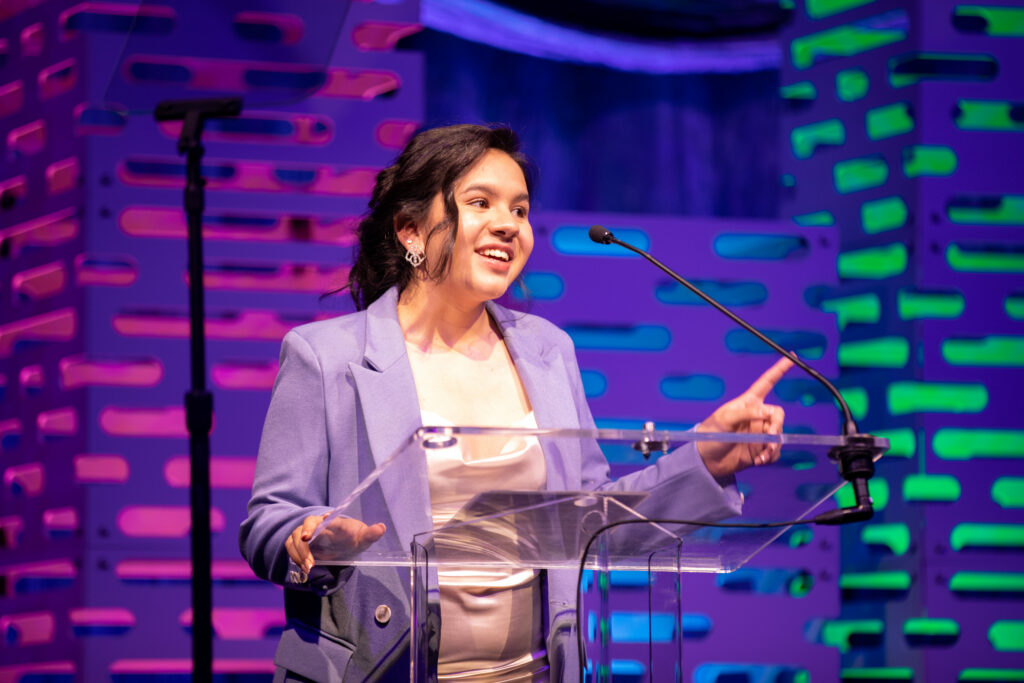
{"points": [[292, 466], [706, 498]]}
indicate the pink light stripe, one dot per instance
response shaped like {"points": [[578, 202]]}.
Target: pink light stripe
{"points": [[162, 521], [100, 469], [225, 472], [245, 375], [62, 176], [184, 666], [14, 674], [148, 221], [61, 519], [29, 479], [261, 176], [382, 35], [59, 422], [56, 326], [241, 623], [166, 422], [102, 616], [181, 570], [113, 271], [57, 79], [40, 282], [81, 370], [30, 628]]}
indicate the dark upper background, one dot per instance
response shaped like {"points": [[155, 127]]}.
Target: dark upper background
{"points": [[689, 143]]}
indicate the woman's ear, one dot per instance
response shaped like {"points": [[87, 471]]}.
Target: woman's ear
{"points": [[407, 231]]}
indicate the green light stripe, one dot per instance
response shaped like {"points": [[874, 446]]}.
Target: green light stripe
{"points": [[972, 535], [928, 160], [916, 305], [837, 632], [818, 219], [999, 21], [857, 400], [877, 487], [902, 442], [925, 627], [1008, 492], [859, 308], [880, 215], [1007, 209], [987, 582], [858, 174], [1007, 635], [851, 84], [992, 675], [873, 263], [889, 121], [878, 673], [998, 350], [953, 443], [883, 352], [875, 581], [819, 9], [971, 68], [802, 90], [896, 537], [984, 260], [1014, 305], [931, 488], [903, 398], [800, 537], [841, 41], [805, 139], [986, 115]]}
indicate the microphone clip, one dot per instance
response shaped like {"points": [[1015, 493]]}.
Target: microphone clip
{"points": [[856, 462], [649, 443]]}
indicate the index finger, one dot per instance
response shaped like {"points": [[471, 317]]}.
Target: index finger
{"points": [[763, 385]]}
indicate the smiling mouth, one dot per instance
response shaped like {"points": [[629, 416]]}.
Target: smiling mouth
{"points": [[496, 255]]}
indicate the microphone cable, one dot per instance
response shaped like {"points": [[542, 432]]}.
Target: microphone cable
{"points": [[580, 640]]}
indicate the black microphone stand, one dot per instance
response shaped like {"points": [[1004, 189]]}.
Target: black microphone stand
{"points": [[198, 401], [855, 458]]}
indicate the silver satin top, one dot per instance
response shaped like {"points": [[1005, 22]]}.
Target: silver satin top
{"points": [[490, 618]]}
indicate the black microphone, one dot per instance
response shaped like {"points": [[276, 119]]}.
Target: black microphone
{"points": [[602, 235], [856, 458]]}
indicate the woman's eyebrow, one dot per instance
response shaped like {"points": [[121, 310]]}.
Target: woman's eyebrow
{"points": [[489, 190]]}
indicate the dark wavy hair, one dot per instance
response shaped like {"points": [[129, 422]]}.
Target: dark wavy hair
{"points": [[432, 163]]}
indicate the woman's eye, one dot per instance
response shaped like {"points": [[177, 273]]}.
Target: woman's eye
{"points": [[478, 202], [521, 212]]}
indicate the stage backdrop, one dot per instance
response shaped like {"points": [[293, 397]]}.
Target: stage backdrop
{"points": [[900, 199]]}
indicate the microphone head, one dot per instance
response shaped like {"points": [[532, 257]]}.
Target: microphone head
{"points": [[600, 234]]}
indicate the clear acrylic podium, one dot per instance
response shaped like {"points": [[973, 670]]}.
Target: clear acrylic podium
{"points": [[622, 526]]}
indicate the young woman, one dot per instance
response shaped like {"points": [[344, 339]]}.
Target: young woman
{"points": [[447, 233]]}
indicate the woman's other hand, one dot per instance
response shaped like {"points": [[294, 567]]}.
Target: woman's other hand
{"points": [[344, 535], [745, 414]]}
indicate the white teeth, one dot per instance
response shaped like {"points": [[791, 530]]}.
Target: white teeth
{"points": [[495, 253]]}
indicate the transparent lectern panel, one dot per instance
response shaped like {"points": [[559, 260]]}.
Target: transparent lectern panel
{"points": [[646, 518]]}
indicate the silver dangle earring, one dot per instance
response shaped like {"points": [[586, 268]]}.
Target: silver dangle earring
{"points": [[414, 255]]}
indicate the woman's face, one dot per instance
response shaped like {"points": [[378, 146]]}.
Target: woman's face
{"points": [[494, 238]]}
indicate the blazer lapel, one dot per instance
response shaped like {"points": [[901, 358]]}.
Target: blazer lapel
{"points": [[391, 412], [543, 373]]}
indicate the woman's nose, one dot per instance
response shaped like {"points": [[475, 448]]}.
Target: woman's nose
{"points": [[504, 223]]}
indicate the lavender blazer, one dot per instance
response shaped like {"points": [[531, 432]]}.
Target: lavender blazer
{"points": [[345, 400]]}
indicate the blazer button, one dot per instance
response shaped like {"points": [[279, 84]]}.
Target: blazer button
{"points": [[382, 615]]}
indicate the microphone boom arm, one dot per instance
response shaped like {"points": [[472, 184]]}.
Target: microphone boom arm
{"points": [[856, 459]]}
